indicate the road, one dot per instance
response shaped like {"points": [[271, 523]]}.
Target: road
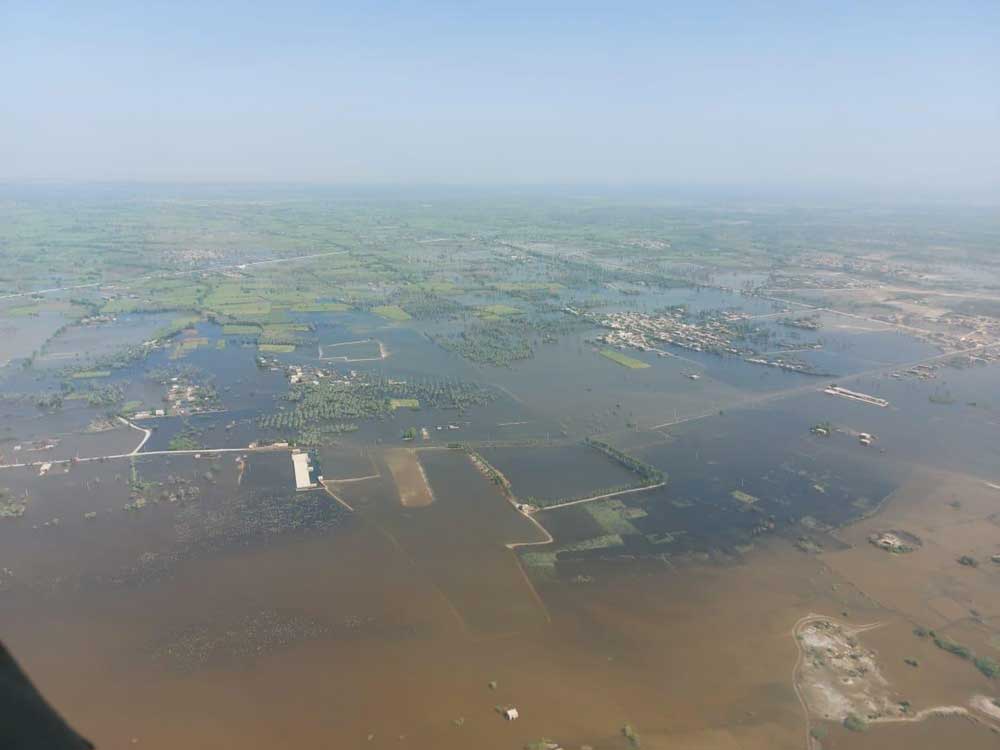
{"points": [[776, 395], [644, 488], [138, 454]]}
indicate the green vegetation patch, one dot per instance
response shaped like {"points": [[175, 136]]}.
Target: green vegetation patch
{"points": [[649, 473], [87, 374], [391, 312], [241, 329], [342, 403], [951, 647], [855, 723], [320, 307], [22, 311], [10, 505], [499, 310], [130, 407], [242, 309], [539, 559], [744, 497], [611, 515], [527, 286], [605, 541], [404, 403], [547, 559], [188, 345], [987, 666], [276, 348], [623, 359]]}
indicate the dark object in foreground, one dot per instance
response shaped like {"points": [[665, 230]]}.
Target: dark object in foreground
{"points": [[27, 722]]}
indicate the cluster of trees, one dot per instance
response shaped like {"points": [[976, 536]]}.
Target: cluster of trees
{"points": [[365, 397], [322, 434], [487, 468], [432, 306], [497, 343], [164, 375], [650, 474], [502, 342], [185, 441], [106, 396], [985, 664]]}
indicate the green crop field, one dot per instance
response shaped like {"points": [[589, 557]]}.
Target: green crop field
{"points": [[241, 329], [498, 310], [87, 374], [391, 312], [623, 359], [404, 403], [320, 307]]}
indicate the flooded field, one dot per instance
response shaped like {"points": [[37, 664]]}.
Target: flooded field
{"points": [[558, 473], [685, 537]]}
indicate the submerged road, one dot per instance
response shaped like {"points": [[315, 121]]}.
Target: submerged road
{"points": [[776, 395]]}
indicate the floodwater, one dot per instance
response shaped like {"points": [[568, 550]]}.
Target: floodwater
{"points": [[229, 610], [330, 639], [565, 472]]}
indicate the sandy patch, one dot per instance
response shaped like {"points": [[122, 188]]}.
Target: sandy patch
{"points": [[411, 481], [985, 704], [838, 676]]}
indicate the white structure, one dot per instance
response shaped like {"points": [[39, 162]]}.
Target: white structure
{"points": [[510, 714], [300, 462]]}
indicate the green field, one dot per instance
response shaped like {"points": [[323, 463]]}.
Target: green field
{"points": [[404, 403], [186, 346], [240, 329], [277, 348], [623, 359], [391, 312], [743, 497], [85, 374], [498, 310], [319, 307]]}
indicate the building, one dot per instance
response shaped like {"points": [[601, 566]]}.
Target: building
{"points": [[303, 471]]}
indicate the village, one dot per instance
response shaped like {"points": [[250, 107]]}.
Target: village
{"points": [[718, 333]]}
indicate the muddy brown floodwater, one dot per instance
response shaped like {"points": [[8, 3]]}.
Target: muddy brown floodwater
{"points": [[325, 641], [407, 627]]}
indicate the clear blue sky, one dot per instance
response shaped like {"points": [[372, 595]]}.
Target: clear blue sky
{"points": [[873, 93]]}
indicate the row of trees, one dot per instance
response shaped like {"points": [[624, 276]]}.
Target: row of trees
{"points": [[649, 473]]}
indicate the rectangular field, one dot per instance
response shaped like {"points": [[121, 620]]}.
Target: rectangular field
{"points": [[391, 312], [623, 359]]}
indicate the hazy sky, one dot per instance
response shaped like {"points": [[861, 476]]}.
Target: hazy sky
{"points": [[869, 93]]}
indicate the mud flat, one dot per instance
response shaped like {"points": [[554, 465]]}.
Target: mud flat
{"points": [[941, 620], [837, 677], [411, 481]]}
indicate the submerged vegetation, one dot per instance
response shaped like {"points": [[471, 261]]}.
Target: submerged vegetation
{"points": [[11, 507]]}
